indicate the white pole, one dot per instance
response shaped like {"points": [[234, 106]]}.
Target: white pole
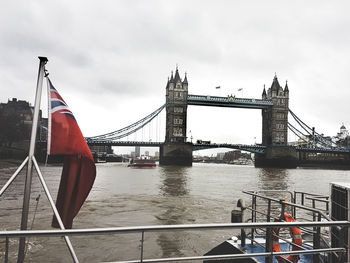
{"points": [[28, 182]]}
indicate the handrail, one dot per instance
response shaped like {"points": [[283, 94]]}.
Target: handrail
{"points": [[237, 256], [287, 203], [160, 228], [317, 199]]}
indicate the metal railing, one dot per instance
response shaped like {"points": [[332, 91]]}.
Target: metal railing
{"points": [[142, 230], [308, 204]]}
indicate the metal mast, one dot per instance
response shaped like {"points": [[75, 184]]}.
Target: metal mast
{"points": [[28, 182]]}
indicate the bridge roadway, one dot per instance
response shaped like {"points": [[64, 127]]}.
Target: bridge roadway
{"points": [[196, 147], [229, 101], [244, 147], [323, 150]]}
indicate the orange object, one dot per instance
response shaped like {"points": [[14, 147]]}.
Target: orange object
{"points": [[296, 239]]}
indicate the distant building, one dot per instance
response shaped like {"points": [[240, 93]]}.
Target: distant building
{"points": [[220, 156], [232, 155], [343, 133], [101, 149], [342, 138], [156, 154], [16, 117], [304, 141], [137, 151], [146, 153]]}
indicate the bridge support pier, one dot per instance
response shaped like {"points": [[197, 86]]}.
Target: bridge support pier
{"points": [[176, 154], [277, 156]]}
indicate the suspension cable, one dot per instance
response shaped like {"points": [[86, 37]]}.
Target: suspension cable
{"points": [[297, 132], [316, 136], [129, 127], [132, 128]]}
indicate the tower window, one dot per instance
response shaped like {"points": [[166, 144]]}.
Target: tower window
{"points": [[178, 121], [280, 115], [280, 126], [178, 109], [177, 132], [178, 95]]}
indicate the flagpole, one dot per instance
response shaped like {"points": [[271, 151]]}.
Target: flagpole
{"points": [[28, 182]]}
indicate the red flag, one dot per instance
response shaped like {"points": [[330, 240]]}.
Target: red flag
{"points": [[79, 170]]}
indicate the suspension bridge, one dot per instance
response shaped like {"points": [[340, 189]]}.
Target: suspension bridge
{"points": [[176, 149], [314, 141]]}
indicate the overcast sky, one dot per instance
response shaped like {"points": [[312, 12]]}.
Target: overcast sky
{"points": [[110, 60]]}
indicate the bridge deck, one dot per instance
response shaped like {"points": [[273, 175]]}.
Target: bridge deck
{"points": [[123, 143], [244, 147], [229, 101]]}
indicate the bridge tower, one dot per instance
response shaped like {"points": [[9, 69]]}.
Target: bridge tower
{"points": [[275, 119], [275, 129], [176, 110], [175, 150]]}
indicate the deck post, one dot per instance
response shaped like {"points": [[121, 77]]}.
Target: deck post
{"points": [[142, 242], [253, 218], [269, 235], [7, 250], [316, 239]]}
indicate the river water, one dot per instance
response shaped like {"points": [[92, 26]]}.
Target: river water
{"points": [[122, 196]]}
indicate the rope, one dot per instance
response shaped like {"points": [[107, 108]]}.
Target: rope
{"points": [[36, 209], [31, 226]]}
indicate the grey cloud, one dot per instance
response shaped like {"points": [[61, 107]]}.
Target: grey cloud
{"points": [[123, 51]]}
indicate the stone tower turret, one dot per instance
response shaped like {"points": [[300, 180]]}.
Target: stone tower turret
{"points": [[176, 110], [275, 119]]}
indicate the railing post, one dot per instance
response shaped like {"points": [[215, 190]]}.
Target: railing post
{"points": [[282, 209], [142, 240], [316, 239], [269, 237], [302, 198], [7, 250], [342, 240], [253, 218], [294, 208]]}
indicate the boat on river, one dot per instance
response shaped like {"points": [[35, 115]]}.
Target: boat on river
{"points": [[142, 163]]}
